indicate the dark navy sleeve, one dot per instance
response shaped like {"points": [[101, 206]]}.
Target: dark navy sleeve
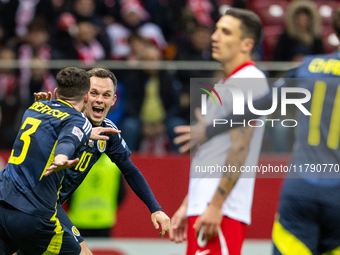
{"points": [[117, 149], [66, 146], [262, 103], [138, 184], [73, 135]]}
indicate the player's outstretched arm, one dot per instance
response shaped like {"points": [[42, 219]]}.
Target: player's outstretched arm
{"points": [[191, 136], [160, 217], [179, 223], [60, 162], [85, 249]]}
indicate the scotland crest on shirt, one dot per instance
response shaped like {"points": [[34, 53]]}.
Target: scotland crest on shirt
{"points": [[75, 231], [101, 144]]}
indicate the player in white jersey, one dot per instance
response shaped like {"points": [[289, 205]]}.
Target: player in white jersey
{"points": [[214, 215]]}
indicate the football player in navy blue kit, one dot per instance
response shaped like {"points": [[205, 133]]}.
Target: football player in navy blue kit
{"points": [[52, 132], [101, 97]]}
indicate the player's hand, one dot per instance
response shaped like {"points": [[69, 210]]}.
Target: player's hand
{"points": [[179, 226], [97, 133], [211, 220], [61, 164], [160, 217], [192, 135], [42, 96]]}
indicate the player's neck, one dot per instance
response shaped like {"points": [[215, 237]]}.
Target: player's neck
{"points": [[78, 105], [230, 66]]}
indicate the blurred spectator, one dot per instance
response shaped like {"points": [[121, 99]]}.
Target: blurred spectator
{"points": [[85, 10], [41, 79], [136, 44], [93, 206], [134, 19], [156, 9], [173, 19], [2, 36], [197, 48], [116, 112], [205, 11], [35, 45], [9, 100], [302, 35], [87, 47], [58, 6], [151, 106], [80, 42], [18, 14], [80, 19], [100, 12], [109, 10]]}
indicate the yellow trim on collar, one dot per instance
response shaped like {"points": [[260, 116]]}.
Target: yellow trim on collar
{"points": [[60, 100]]}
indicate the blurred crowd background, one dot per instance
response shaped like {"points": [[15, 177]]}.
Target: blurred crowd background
{"points": [[150, 102]]}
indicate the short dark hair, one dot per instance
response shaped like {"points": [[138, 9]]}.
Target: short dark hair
{"points": [[336, 21], [73, 83], [251, 25], [103, 73]]}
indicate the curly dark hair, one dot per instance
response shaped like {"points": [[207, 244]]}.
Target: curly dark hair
{"points": [[73, 83]]}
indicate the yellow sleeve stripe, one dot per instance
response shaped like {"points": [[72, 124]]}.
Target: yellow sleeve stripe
{"points": [[50, 159]]}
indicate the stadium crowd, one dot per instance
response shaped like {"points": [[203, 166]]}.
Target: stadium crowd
{"points": [[151, 102]]}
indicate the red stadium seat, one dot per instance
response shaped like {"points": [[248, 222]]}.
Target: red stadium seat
{"points": [[271, 12], [325, 10], [329, 39], [270, 36]]}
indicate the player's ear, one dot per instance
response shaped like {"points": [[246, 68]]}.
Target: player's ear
{"points": [[114, 99], [86, 98], [247, 45], [55, 92]]}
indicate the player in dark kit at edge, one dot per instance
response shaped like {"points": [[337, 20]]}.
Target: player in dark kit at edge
{"points": [[101, 97], [52, 133]]}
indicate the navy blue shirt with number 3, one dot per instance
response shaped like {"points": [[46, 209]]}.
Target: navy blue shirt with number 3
{"points": [[44, 125]]}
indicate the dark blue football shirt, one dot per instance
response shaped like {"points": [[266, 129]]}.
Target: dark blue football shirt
{"points": [[44, 125]]}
